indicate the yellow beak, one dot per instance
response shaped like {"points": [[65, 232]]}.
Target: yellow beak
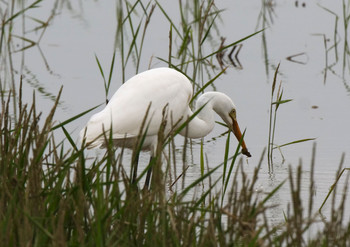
{"points": [[237, 132]]}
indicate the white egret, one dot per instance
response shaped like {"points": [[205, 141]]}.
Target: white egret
{"points": [[157, 88]]}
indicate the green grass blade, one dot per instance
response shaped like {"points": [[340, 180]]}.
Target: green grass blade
{"points": [[232, 165], [294, 142], [39, 226], [232, 44], [210, 26], [40, 154], [101, 70], [275, 79], [227, 147], [279, 102], [69, 138], [169, 19], [204, 195], [202, 158], [133, 43], [272, 192], [333, 186], [197, 181], [183, 126], [110, 72], [185, 42], [74, 118], [33, 5], [255, 241], [206, 85]]}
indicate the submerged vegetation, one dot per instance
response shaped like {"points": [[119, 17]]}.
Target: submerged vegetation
{"points": [[52, 194]]}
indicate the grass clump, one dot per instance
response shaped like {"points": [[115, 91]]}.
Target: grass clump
{"points": [[54, 196]]}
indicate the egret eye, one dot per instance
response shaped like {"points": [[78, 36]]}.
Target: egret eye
{"points": [[233, 114]]}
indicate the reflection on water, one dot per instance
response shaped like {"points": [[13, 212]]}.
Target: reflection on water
{"points": [[56, 44]]}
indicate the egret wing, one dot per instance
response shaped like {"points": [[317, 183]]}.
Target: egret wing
{"points": [[158, 87]]}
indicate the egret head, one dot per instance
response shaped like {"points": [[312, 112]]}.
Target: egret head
{"points": [[227, 111]]}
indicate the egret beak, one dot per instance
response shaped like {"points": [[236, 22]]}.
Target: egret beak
{"points": [[238, 134]]}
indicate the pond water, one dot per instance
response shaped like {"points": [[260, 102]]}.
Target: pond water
{"points": [[305, 37]]}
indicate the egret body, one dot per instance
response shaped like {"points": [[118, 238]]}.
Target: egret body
{"points": [[156, 89]]}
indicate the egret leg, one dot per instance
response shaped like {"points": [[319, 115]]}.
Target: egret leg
{"points": [[148, 176]]}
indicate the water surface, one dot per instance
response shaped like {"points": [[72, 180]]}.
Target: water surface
{"points": [[317, 80]]}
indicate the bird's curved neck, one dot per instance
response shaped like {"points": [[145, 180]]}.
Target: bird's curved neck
{"points": [[203, 123]]}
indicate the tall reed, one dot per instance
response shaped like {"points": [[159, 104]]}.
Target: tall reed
{"points": [[51, 196]]}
